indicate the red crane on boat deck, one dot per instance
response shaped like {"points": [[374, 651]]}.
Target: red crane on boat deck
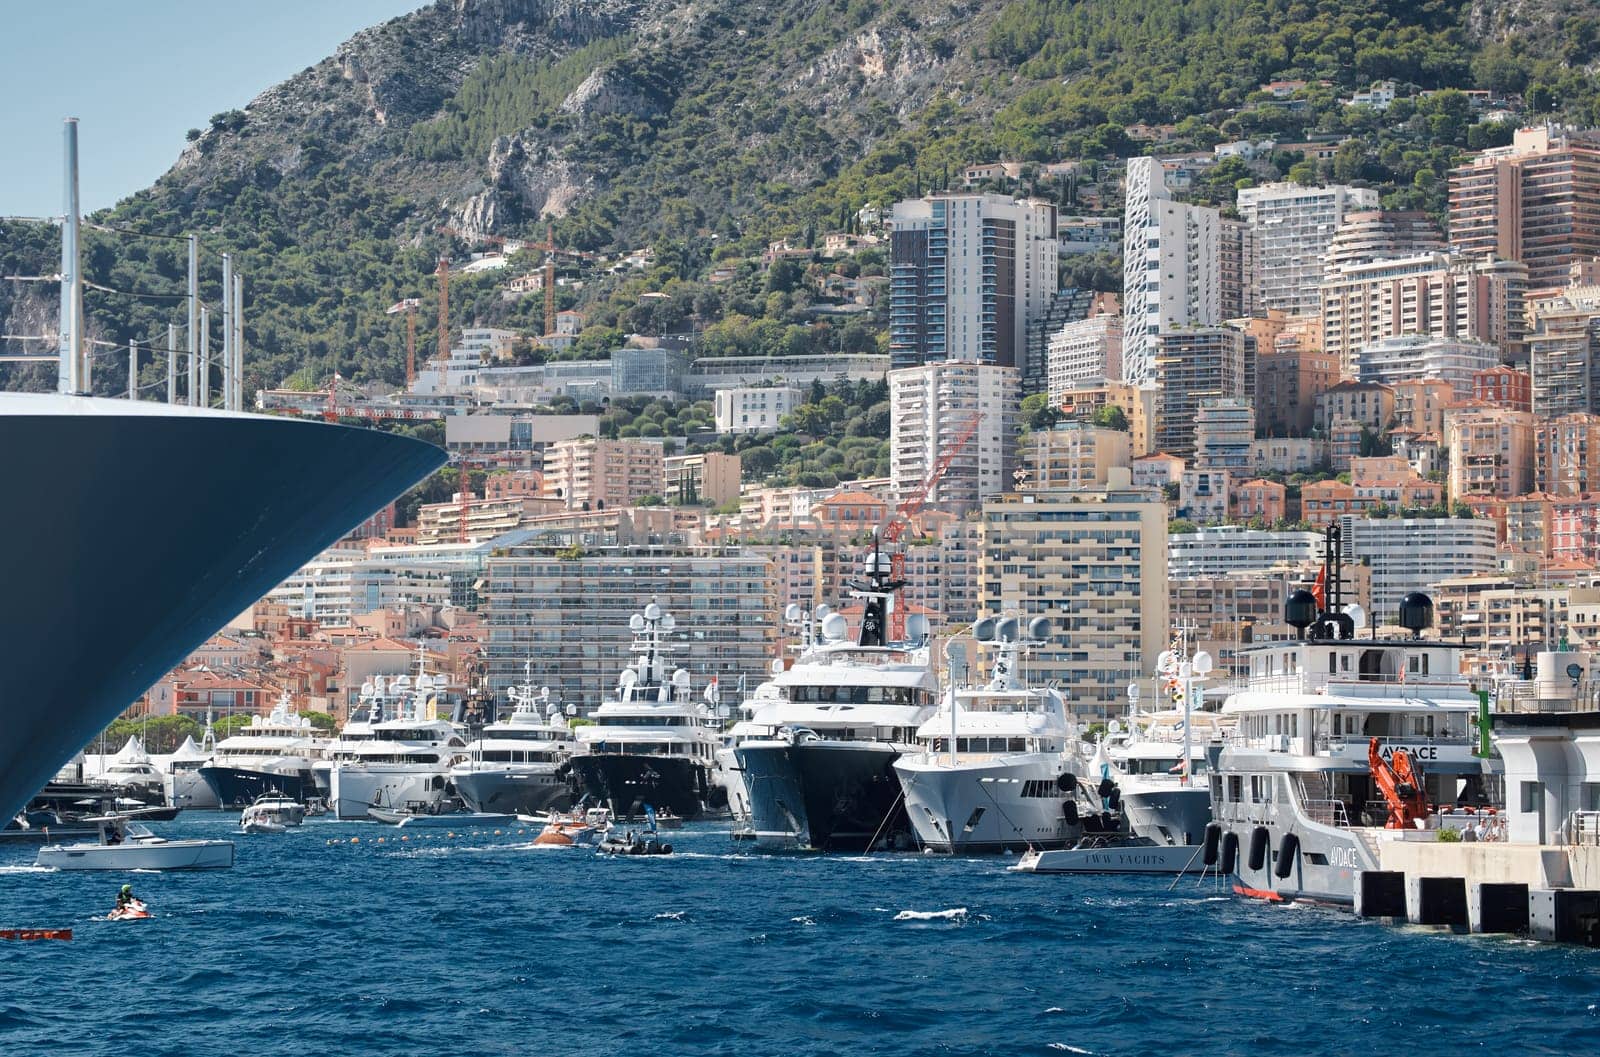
{"points": [[910, 507], [1399, 778]]}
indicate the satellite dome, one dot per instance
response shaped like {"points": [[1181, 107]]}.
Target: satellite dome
{"points": [[1039, 629], [1416, 613], [1300, 611], [835, 626]]}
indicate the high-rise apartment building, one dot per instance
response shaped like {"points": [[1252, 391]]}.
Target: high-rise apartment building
{"points": [[1067, 306], [1477, 300], [1224, 435], [1171, 267], [1081, 352], [1567, 455], [1369, 235], [1293, 227], [1536, 201], [1236, 269], [1564, 352], [1413, 357], [1412, 554], [1491, 451], [967, 274], [1096, 564], [1193, 366], [929, 409], [592, 474], [1073, 455], [567, 616]]}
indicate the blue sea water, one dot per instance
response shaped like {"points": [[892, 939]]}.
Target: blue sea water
{"points": [[483, 944]]}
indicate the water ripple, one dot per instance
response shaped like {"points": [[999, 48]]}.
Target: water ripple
{"points": [[489, 946]]}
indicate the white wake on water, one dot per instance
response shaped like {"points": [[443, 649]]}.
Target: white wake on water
{"points": [[953, 914]]}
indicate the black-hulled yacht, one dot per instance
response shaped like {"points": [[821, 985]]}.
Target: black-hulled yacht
{"points": [[652, 744], [820, 775]]}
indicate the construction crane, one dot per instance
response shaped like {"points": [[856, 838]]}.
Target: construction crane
{"points": [[409, 307], [897, 523], [551, 252]]}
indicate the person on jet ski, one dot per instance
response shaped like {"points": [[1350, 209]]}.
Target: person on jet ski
{"points": [[126, 898]]}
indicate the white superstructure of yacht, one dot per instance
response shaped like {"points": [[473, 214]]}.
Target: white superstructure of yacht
{"points": [[1000, 760], [515, 764], [821, 776], [274, 753], [652, 743], [1297, 801], [401, 755]]}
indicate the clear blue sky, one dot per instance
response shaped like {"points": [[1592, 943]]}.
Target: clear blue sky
{"points": [[138, 74]]}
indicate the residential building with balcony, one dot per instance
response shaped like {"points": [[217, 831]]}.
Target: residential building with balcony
{"points": [[1491, 451], [1415, 357], [968, 272], [1536, 201], [588, 473], [1194, 366], [1096, 564], [1171, 265], [930, 408], [1293, 227]]}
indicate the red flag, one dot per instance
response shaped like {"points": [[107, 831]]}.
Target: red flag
{"points": [[1319, 589]]}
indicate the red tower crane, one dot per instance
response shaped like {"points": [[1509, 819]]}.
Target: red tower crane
{"points": [[409, 307], [893, 528]]}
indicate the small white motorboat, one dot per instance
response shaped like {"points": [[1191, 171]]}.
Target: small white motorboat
{"points": [[125, 845], [272, 813]]}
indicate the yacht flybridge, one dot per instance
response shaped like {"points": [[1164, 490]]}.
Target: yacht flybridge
{"points": [[1298, 810]]}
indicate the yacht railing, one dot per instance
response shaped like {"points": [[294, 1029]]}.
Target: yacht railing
{"points": [[1327, 812], [1583, 828], [1352, 685]]}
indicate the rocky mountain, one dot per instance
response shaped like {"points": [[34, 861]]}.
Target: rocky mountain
{"points": [[705, 127]]}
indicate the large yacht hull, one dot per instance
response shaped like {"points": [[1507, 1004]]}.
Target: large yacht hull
{"points": [[1167, 813], [731, 776], [1319, 865], [1008, 803], [187, 789], [629, 782], [151, 527], [353, 789], [777, 802], [825, 795], [240, 786], [513, 790]]}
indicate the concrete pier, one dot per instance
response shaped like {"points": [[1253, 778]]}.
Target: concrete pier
{"points": [[1494, 906]]}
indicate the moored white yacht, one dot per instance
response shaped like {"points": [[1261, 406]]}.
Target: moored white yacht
{"points": [[131, 772], [652, 743], [184, 785], [1296, 802], [1000, 763], [728, 769], [822, 775], [397, 760], [515, 764], [273, 753]]}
